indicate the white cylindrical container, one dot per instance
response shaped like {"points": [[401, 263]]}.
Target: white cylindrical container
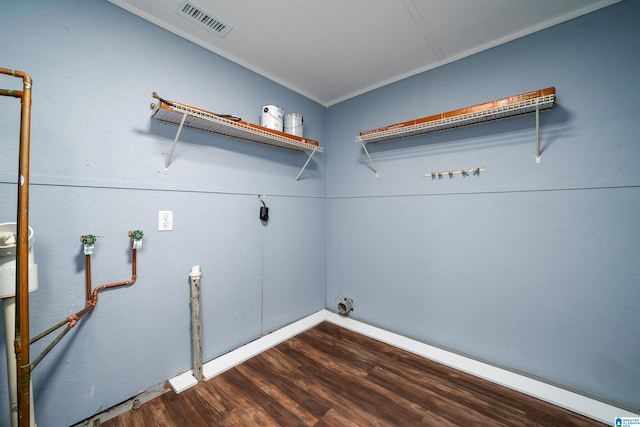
{"points": [[8, 247], [271, 117], [293, 124]]}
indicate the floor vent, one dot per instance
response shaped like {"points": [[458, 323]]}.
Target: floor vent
{"points": [[204, 19]]}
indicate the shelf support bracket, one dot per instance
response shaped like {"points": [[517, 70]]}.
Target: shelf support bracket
{"points": [[175, 142], [373, 166], [305, 165], [537, 132]]}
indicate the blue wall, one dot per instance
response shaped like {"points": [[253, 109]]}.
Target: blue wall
{"points": [[531, 267], [98, 168]]}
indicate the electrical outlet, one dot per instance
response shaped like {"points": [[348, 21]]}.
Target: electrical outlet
{"points": [[165, 220]]}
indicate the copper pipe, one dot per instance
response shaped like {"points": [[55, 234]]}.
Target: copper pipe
{"points": [[22, 258], [48, 331], [87, 275], [9, 92], [93, 299], [22, 343], [49, 348]]}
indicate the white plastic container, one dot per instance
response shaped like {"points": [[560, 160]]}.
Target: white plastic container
{"points": [[8, 248], [271, 117], [293, 124]]}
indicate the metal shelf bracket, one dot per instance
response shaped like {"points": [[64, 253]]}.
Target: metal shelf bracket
{"points": [[373, 165], [310, 154], [167, 161], [537, 132]]}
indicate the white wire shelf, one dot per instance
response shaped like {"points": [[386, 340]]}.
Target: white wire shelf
{"points": [[207, 121], [532, 102]]}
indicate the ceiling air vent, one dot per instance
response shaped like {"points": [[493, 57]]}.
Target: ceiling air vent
{"points": [[204, 19]]}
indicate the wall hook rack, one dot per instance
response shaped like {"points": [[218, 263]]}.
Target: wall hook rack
{"points": [[451, 173]]}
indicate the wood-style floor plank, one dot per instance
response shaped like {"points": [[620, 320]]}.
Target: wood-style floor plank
{"points": [[330, 376]]}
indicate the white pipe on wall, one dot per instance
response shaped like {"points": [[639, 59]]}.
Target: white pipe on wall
{"points": [[8, 246]]}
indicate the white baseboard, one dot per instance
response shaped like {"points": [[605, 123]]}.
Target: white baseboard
{"points": [[235, 357], [183, 381], [239, 355], [572, 401]]}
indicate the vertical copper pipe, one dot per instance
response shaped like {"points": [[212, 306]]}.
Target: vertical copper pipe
{"points": [[22, 258], [87, 275], [24, 361]]}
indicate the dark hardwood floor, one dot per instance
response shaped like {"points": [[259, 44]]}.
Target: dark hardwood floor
{"points": [[330, 376]]}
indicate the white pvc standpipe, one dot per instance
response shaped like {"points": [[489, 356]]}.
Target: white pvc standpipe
{"points": [[9, 309]]}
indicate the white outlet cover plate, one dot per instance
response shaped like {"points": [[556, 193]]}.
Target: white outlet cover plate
{"points": [[165, 220]]}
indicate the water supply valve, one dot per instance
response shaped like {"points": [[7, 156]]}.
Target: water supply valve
{"points": [[89, 241], [136, 236]]}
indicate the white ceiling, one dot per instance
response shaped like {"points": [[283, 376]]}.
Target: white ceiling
{"points": [[332, 50]]}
